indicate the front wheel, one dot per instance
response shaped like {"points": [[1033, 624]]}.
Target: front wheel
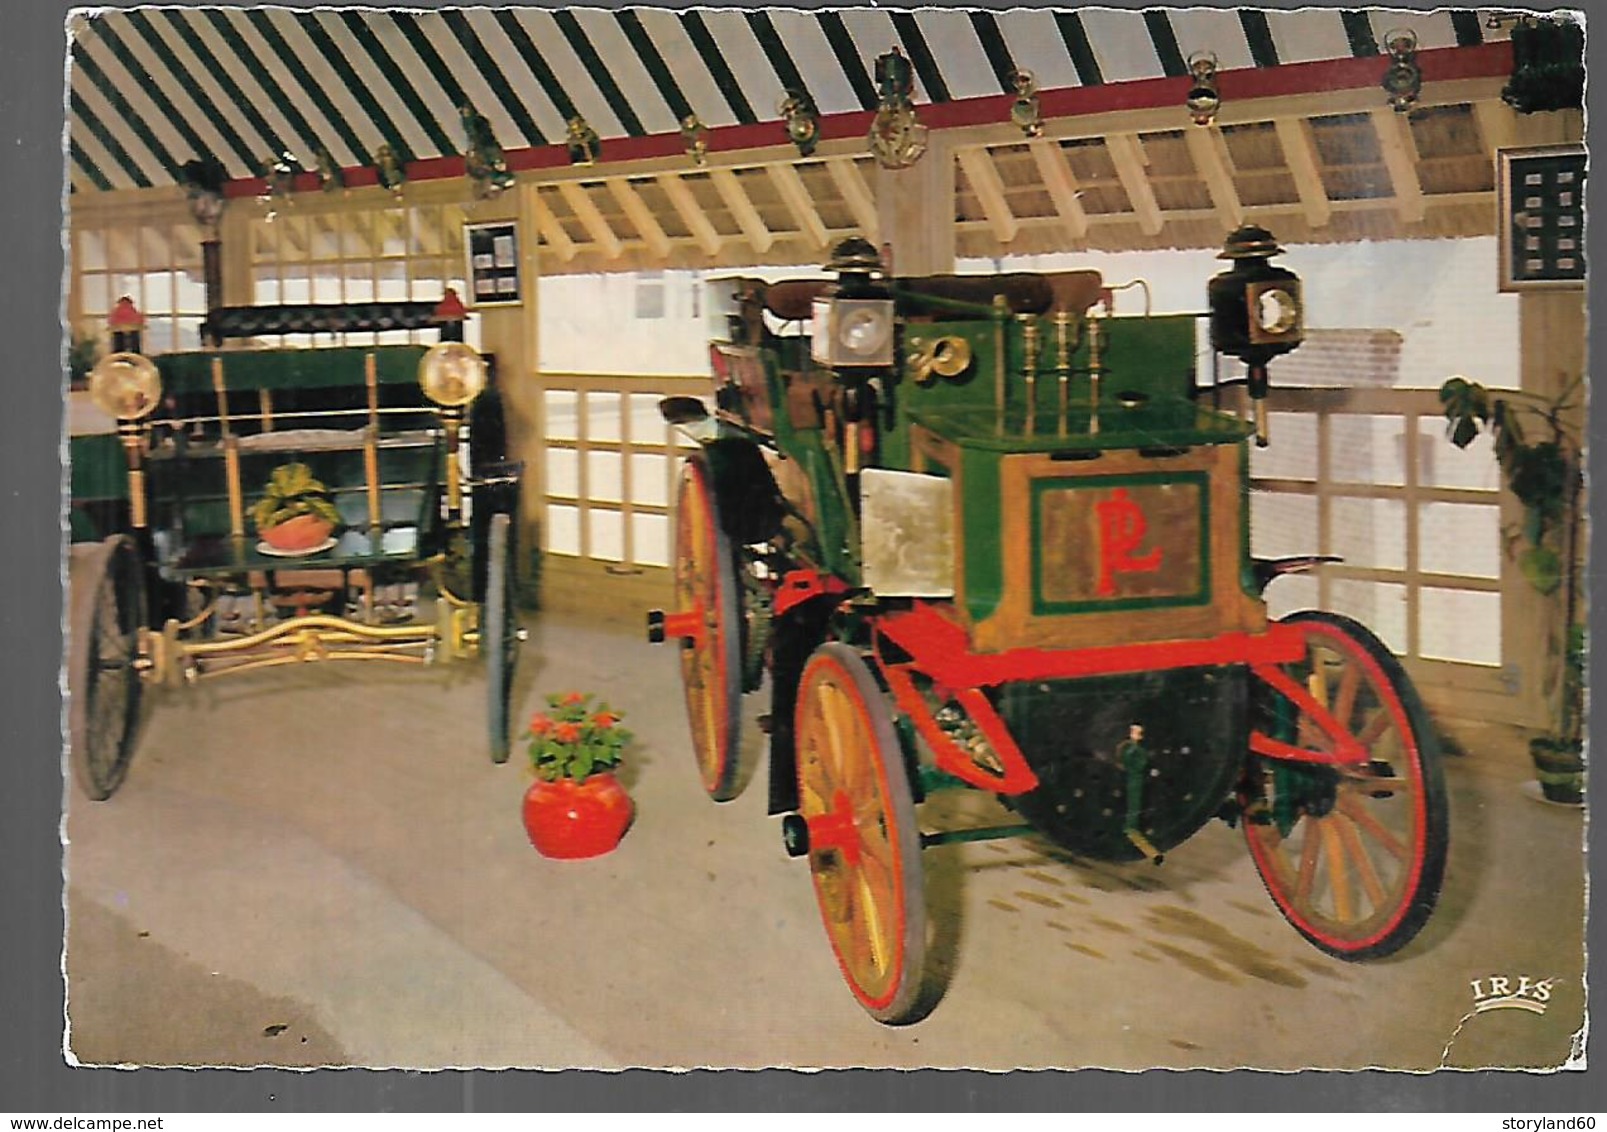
{"points": [[1352, 854], [106, 610], [863, 843], [499, 631]]}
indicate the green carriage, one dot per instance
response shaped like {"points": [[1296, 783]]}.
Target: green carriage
{"points": [[979, 532], [248, 508]]}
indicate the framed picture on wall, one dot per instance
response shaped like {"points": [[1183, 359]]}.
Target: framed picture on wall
{"points": [[1541, 191], [492, 250]]}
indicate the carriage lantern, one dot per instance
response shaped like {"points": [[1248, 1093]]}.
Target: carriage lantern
{"points": [[1256, 312], [854, 322]]}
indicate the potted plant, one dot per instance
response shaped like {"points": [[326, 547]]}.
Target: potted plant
{"points": [[576, 807], [296, 513], [1538, 447]]}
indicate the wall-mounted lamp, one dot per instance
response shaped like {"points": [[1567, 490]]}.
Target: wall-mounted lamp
{"points": [[803, 121], [390, 169], [584, 146], [279, 176], [483, 160], [1203, 100], [696, 136], [203, 181], [896, 139], [330, 177], [1024, 111], [1403, 79]]}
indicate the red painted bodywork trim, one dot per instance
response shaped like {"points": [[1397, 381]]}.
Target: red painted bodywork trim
{"points": [[1439, 64], [687, 625], [798, 586]]}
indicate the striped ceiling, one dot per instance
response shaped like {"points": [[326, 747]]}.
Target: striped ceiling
{"points": [[152, 88]]}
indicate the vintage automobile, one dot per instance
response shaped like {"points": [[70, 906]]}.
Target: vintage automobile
{"points": [[174, 573], [980, 532]]}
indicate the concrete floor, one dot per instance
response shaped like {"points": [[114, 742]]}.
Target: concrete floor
{"points": [[323, 868]]}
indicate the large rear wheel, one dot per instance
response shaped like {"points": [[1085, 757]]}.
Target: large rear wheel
{"points": [[1353, 855], [106, 609], [863, 843], [711, 655]]}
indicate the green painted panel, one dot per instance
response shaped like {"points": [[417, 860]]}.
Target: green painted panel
{"points": [[980, 509], [99, 469], [288, 368]]}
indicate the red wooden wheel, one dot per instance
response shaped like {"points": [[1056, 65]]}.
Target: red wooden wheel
{"points": [[1352, 854], [711, 655], [864, 846]]}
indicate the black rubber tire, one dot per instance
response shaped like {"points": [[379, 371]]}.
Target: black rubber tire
{"points": [[499, 632], [106, 608]]}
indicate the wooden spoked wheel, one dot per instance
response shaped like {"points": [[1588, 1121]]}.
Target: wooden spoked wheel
{"points": [[106, 609], [711, 658], [1353, 855], [499, 631], [864, 846]]}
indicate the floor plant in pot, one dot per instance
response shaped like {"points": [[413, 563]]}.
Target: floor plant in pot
{"points": [[1538, 447], [576, 807], [296, 514]]}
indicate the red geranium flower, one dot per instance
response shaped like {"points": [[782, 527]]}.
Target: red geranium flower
{"points": [[567, 733], [572, 698], [540, 723], [605, 719]]}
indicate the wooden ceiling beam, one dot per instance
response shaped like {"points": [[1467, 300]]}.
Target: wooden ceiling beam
{"points": [[1400, 158], [747, 217], [1300, 158], [1209, 149], [551, 231], [798, 201], [585, 210], [857, 196], [690, 212], [1127, 154], [989, 189], [637, 212], [1498, 124], [1058, 178]]}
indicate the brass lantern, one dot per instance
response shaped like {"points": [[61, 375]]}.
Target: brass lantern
{"points": [[125, 385], [803, 121], [896, 138], [451, 374], [1203, 99], [1403, 79]]}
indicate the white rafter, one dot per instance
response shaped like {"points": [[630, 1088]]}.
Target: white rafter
{"points": [[580, 202], [1127, 153], [984, 178], [798, 201], [1210, 153], [1400, 158], [1059, 180], [552, 231], [742, 210], [856, 195], [637, 212], [691, 213], [1300, 157]]}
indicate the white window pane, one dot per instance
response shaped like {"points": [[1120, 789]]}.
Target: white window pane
{"points": [[563, 530], [359, 283], [602, 416], [123, 249], [265, 289], [1282, 525], [562, 413], [1459, 538], [650, 478], [647, 423], [326, 284], [1460, 625], [189, 331], [186, 245], [293, 240], [563, 472], [652, 535], [93, 296], [357, 235], [155, 246], [392, 225], [605, 477], [1292, 454], [1443, 464], [391, 286], [325, 232], [295, 288], [191, 291], [1290, 593], [1369, 532], [91, 250], [1379, 606], [1366, 449], [607, 529]]}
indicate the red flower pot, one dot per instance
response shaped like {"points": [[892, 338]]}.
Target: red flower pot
{"points": [[301, 533], [569, 820]]}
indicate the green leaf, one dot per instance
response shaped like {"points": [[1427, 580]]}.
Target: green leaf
{"points": [[1542, 567]]}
